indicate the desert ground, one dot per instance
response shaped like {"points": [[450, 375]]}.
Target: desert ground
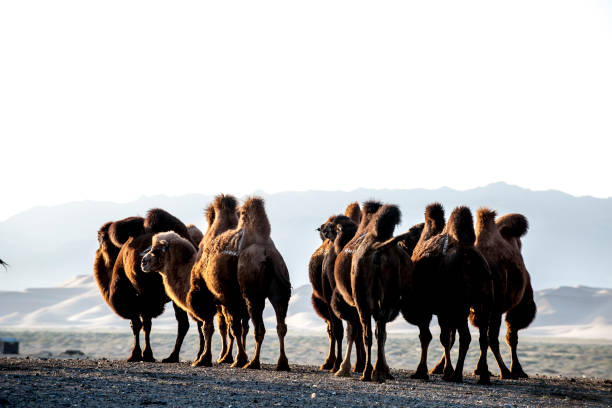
{"points": [[44, 382]]}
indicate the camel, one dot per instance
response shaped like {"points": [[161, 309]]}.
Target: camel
{"points": [[377, 275], [262, 274], [450, 277], [500, 244], [222, 217], [342, 296], [195, 234], [126, 289], [322, 286]]}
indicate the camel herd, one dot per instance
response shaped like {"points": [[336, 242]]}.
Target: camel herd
{"points": [[360, 273]]}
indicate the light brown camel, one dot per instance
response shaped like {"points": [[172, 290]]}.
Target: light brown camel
{"points": [[173, 257], [377, 276], [342, 296], [500, 243], [262, 274], [224, 220], [450, 278], [322, 287]]}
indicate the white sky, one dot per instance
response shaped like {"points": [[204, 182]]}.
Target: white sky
{"points": [[111, 100]]}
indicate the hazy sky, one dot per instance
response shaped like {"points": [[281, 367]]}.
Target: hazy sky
{"points": [[111, 100]]}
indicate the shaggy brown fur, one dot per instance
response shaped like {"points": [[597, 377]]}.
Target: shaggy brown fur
{"points": [[376, 277], [262, 274], [221, 216], [500, 243], [342, 297], [450, 277]]}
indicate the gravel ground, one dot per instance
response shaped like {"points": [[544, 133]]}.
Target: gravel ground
{"points": [[35, 382]]}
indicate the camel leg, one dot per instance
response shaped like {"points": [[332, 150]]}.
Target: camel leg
{"points": [[259, 331], [494, 345], [425, 338], [345, 366], [483, 368], [366, 324], [207, 329], [445, 339], [136, 354], [147, 352], [183, 327], [337, 332], [515, 366], [381, 369], [359, 349], [201, 338], [236, 330], [225, 357], [280, 305], [439, 368], [245, 331], [464, 344]]}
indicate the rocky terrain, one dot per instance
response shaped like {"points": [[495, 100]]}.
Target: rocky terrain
{"points": [[42, 382]]}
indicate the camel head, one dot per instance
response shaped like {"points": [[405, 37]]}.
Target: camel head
{"points": [[168, 251], [327, 230], [253, 216]]}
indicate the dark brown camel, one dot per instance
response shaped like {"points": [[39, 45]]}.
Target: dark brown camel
{"points": [[377, 276], [195, 233], [500, 244], [127, 290], [262, 274], [342, 296], [321, 286], [450, 277]]}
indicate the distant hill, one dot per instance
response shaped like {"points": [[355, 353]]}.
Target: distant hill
{"points": [[580, 312], [568, 243]]}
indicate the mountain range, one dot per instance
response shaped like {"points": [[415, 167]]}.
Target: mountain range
{"points": [[568, 243]]}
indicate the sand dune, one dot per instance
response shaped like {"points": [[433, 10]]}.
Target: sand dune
{"points": [[575, 312]]}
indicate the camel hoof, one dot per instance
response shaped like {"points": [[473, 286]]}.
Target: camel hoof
{"points": [[439, 369], [477, 372], [253, 365], [148, 358], [227, 359], [484, 380], [448, 375], [171, 359], [359, 367], [379, 376], [456, 378], [134, 357], [336, 366], [282, 364], [202, 362], [327, 365], [519, 374], [343, 372], [505, 375], [240, 362]]}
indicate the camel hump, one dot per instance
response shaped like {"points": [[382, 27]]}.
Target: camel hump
{"points": [[434, 212], [225, 202], [512, 225], [195, 233], [460, 226], [158, 220], [386, 219], [209, 213], [370, 207], [412, 237], [120, 231], [353, 212]]}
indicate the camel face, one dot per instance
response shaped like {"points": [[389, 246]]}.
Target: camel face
{"points": [[153, 261]]}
